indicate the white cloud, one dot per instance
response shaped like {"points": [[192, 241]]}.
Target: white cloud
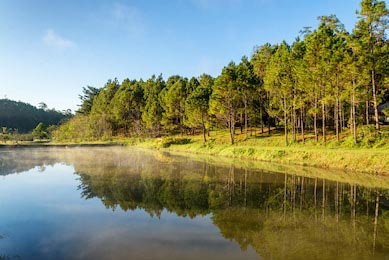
{"points": [[51, 38]]}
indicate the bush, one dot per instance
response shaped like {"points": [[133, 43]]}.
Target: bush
{"points": [[367, 135]]}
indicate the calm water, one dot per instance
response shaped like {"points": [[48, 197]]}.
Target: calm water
{"points": [[105, 203]]}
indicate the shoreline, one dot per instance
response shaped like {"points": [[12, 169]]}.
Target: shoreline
{"points": [[57, 145], [351, 161], [373, 161]]}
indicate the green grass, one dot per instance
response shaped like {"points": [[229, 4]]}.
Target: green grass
{"points": [[368, 158]]}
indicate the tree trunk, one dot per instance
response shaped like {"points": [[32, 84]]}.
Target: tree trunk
{"points": [[268, 126], [343, 118], [245, 118], [204, 129], [241, 123], [232, 127], [285, 123], [261, 111], [336, 115], [302, 124], [323, 110], [293, 125], [353, 120], [341, 123], [367, 104], [375, 105], [315, 120]]}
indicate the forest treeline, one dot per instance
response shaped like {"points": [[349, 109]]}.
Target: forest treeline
{"points": [[19, 117], [327, 81]]}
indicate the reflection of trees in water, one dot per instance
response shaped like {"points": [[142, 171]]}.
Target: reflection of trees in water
{"points": [[281, 216], [319, 219], [23, 160]]}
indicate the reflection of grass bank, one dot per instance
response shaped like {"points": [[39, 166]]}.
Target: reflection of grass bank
{"points": [[363, 179]]}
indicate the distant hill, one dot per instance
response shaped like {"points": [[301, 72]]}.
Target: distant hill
{"points": [[24, 117]]}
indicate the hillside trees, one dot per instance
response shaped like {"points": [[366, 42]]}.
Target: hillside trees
{"points": [[23, 118]]}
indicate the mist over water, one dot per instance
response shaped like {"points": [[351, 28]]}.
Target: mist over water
{"points": [[126, 203]]}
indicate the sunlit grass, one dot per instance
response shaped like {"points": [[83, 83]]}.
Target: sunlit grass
{"points": [[333, 154]]}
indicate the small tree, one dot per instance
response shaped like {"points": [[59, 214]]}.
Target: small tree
{"points": [[40, 131]]}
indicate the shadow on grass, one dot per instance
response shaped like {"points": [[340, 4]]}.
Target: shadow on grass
{"points": [[168, 141]]}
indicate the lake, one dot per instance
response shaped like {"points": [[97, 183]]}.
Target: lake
{"points": [[127, 203]]}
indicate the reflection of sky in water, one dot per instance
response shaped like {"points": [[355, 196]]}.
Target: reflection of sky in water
{"points": [[43, 217]]}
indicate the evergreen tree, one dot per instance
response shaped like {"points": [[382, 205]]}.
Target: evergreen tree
{"points": [[225, 98], [88, 94], [152, 110], [371, 33], [279, 84], [197, 104], [260, 61], [172, 100], [102, 118], [248, 84]]}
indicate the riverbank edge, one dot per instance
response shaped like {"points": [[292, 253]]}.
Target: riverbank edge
{"points": [[373, 161], [351, 161], [58, 145]]}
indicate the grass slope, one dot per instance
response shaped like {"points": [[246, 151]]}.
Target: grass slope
{"points": [[365, 157]]}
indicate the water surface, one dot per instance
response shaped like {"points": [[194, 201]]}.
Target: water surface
{"points": [[124, 203]]}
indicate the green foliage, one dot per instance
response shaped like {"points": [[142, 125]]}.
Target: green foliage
{"points": [[152, 111], [225, 99], [87, 97], [126, 106], [24, 117], [76, 129], [172, 100], [40, 132], [101, 114], [4, 137], [197, 104]]}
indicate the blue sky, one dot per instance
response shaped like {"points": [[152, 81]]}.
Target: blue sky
{"points": [[50, 49]]}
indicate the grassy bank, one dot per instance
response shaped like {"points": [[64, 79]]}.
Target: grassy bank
{"points": [[372, 158]]}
